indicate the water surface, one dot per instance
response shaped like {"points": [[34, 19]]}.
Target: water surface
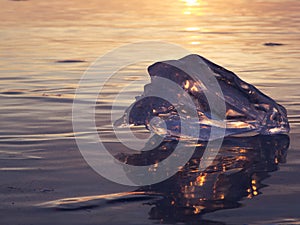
{"points": [[40, 161]]}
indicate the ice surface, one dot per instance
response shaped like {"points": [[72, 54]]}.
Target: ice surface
{"points": [[246, 109]]}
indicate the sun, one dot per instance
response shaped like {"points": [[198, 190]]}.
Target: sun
{"points": [[191, 2]]}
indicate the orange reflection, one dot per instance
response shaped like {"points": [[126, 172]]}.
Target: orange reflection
{"points": [[200, 180], [187, 84]]}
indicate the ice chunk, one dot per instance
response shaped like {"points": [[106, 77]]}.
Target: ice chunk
{"points": [[247, 110]]}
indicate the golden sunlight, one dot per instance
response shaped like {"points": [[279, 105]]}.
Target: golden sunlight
{"points": [[192, 29], [192, 7], [191, 2]]}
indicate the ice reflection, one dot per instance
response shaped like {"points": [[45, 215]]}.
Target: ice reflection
{"points": [[236, 173]]}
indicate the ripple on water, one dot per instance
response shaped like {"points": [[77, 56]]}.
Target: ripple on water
{"points": [[85, 202], [15, 155]]}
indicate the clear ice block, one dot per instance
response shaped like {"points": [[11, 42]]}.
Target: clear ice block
{"points": [[247, 110]]}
